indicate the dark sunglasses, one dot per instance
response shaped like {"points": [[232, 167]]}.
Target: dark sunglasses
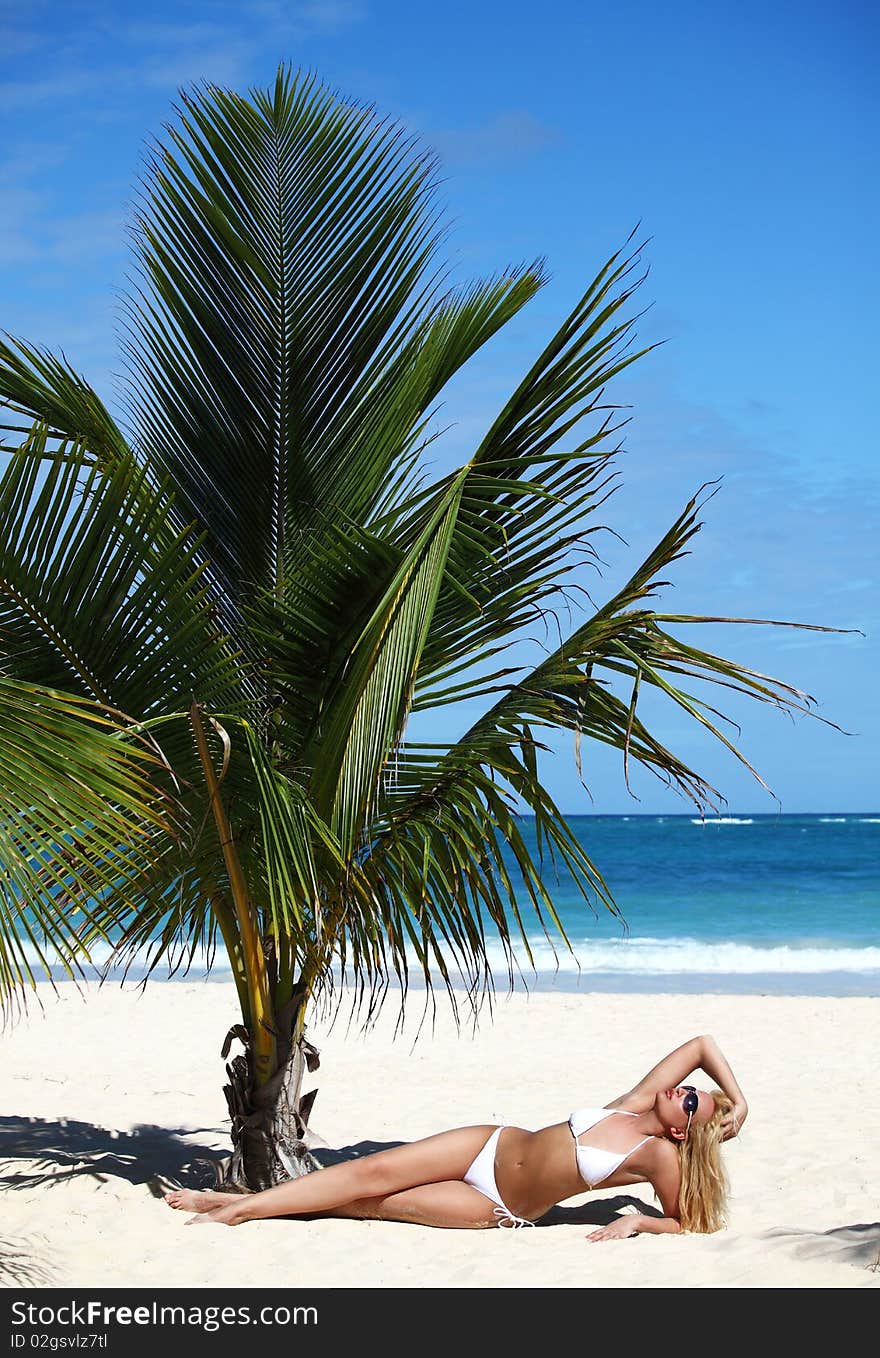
{"points": [[690, 1103]]}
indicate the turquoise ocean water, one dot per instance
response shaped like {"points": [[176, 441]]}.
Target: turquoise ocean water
{"points": [[778, 904], [769, 903]]}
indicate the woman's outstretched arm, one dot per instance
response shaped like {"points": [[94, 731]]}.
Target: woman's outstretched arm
{"points": [[665, 1179], [699, 1053]]}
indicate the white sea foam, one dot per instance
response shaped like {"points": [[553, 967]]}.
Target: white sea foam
{"points": [[870, 820], [699, 957], [101, 952], [833, 820], [723, 820], [622, 957]]}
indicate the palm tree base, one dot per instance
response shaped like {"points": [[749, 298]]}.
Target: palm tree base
{"points": [[270, 1133]]}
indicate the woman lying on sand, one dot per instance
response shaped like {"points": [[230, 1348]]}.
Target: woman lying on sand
{"points": [[662, 1132]]}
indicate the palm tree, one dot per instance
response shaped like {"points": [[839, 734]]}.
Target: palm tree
{"points": [[217, 615]]}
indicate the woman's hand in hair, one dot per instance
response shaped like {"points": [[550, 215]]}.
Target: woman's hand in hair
{"points": [[732, 1122]]}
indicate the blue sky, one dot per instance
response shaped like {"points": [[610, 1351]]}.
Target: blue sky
{"points": [[743, 139]]}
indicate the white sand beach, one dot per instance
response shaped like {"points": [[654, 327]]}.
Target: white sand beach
{"points": [[101, 1092]]}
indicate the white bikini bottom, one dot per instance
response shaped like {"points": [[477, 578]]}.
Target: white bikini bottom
{"points": [[481, 1176]]}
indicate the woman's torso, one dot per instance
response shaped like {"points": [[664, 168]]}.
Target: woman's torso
{"points": [[536, 1170]]}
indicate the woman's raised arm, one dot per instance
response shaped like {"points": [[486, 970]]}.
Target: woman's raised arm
{"points": [[699, 1053]]}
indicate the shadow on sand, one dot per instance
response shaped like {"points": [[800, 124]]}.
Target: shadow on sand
{"points": [[63, 1149], [22, 1263], [36, 1153], [858, 1244]]}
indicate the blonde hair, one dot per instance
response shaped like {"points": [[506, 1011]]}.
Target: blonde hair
{"points": [[702, 1196]]}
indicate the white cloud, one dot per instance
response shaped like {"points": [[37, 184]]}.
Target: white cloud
{"points": [[37, 229], [506, 137], [312, 17], [105, 54], [18, 94]]}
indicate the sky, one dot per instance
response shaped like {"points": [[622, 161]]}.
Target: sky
{"points": [[739, 140]]}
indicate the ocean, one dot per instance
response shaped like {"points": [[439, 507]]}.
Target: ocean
{"points": [[759, 904], [782, 904]]}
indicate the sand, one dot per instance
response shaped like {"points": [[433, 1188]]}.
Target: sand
{"points": [[104, 1091]]}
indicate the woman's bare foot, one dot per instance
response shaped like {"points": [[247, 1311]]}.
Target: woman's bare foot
{"points": [[229, 1214], [189, 1200]]}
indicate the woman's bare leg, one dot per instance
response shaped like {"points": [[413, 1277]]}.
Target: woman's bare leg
{"points": [[454, 1205], [435, 1159]]}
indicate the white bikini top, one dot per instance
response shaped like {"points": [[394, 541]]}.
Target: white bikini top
{"points": [[595, 1164]]}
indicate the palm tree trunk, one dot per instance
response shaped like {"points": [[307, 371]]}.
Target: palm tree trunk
{"points": [[270, 1133], [268, 1111], [253, 959]]}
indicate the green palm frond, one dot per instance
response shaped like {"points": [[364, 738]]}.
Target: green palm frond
{"points": [[523, 524], [264, 576], [290, 320], [56, 403], [460, 802], [98, 593], [80, 815], [457, 877], [623, 641], [363, 724]]}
